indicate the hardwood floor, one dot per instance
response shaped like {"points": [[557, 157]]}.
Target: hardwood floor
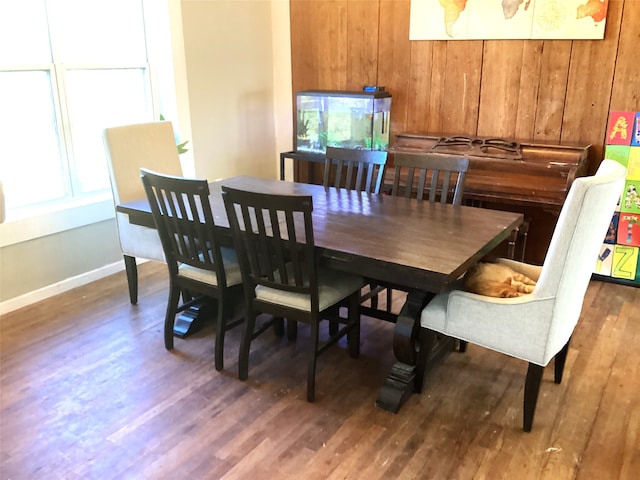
{"points": [[89, 392]]}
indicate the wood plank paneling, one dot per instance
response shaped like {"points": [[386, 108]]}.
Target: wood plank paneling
{"points": [[626, 81], [395, 54], [534, 90], [548, 103], [362, 44], [502, 65], [319, 45], [531, 90], [589, 87], [463, 73], [421, 71]]}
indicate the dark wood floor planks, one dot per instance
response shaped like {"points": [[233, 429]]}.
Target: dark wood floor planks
{"points": [[88, 391]]}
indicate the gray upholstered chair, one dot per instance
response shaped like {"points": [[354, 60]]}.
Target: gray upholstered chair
{"points": [[536, 327], [129, 148]]}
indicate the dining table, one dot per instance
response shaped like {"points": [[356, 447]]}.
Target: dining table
{"points": [[418, 247]]}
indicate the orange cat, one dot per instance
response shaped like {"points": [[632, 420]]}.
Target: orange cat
{"points": [[496, 280]]}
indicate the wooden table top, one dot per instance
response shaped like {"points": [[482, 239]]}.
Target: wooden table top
{"points": [[417, 245]]}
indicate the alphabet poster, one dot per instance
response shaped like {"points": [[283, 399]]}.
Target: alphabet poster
{"points": [[619, 255]]}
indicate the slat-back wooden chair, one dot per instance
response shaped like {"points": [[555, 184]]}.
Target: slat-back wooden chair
{"points": [[281, 274], [440, 176], [361, 170], [197, 263]]}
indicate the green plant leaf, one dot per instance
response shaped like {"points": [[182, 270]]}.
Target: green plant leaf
{"points": [[181, 147]]}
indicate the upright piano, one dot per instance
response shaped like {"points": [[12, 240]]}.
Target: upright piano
{"points": [[526, 177]]}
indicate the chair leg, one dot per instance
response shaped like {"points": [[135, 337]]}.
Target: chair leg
{"points": [[311, 370], [561, 358], [353, 334], [463, 346], [374, 299], [220, 333], [292, 330], [278, 326], [245, 345], [389, 298], [132, 277], [531, 389], [427, 339], [170, 317]]}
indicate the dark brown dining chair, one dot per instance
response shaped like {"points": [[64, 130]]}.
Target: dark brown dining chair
{"points": [[434, 177], [361, 170], [197, 263], [441, 177], [274, 239]]}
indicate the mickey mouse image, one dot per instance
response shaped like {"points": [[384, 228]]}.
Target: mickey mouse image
{"points": [[632, 197]]}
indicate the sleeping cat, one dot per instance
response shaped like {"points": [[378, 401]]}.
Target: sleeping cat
{"points": [[497, 280]]}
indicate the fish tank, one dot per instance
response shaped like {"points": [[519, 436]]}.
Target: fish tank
{"points": [[342, 119]]}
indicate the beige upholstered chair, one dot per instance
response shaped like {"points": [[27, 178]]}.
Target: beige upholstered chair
{"points": [[536, 327], [129, 148]]}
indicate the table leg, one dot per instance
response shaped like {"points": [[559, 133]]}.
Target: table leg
{"points": [[399, 384]]}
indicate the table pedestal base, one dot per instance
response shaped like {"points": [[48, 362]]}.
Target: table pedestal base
{"points": [[399, 384], [190, 320], [397, 387]]}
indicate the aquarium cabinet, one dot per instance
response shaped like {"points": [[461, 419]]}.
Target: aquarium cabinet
{"points": [[342, 119]]}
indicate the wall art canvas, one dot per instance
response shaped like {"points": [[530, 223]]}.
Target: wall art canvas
{"points": [[507, 19]]}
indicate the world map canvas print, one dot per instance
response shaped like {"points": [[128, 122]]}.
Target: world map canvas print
{"points": [[507, 19]]}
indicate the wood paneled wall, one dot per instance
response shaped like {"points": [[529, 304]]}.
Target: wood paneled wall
{"points": [[537, 90]]}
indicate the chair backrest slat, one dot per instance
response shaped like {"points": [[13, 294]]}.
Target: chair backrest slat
{"points": [[361, 170], [441, 170]]}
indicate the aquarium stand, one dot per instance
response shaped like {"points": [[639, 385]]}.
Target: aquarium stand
{"points": [[308, 157]]}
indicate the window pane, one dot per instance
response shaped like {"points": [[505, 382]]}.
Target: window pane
{"points": [[97, 99], [23, 26], [31, 165], [98, 31]]}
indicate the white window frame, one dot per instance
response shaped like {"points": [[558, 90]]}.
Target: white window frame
{"points": [[54, 217]]}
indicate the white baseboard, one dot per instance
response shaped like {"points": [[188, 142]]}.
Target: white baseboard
{"points": [[60, 287]]}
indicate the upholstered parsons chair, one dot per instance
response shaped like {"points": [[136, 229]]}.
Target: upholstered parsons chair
{"points": [[128, 148], [536, 327]]}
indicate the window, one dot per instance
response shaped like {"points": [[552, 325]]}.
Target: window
{"points": [[68, 69]]}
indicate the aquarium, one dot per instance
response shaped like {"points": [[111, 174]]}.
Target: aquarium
{"points": [[342, 119]]}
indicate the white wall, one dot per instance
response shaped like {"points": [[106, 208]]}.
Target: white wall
{"points": [[230, 51]]}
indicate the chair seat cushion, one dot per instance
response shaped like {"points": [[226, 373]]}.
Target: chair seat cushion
{"points": [[231, 268], [333, 286]]}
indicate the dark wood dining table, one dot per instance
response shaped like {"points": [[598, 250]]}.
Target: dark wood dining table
{"points": [[417, 246]]}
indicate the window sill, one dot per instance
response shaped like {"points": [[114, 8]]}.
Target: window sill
{"points": [[47, 223]]}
